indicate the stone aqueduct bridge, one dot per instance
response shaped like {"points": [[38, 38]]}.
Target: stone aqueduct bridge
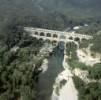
{"points": [[56, 36]]}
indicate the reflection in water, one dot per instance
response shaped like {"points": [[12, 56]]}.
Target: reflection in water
{"points": [[47, 79]]}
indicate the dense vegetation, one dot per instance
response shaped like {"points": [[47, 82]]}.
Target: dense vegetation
{"points": [[93, 72], [53, 14], [18, 51], [19, 64], [90, 91], [96, 41]]}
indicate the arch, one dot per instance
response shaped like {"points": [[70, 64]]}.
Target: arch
{"points": [[71, 46], [54, 42], [76, 39], [48, 34], [70, 38], [47, 40], [62, 37], [42, 34], [55, 35], [36, 33], [35, 38], [41, 39]]}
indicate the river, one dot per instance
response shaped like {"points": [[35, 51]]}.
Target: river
{"points": [[47, 79]]}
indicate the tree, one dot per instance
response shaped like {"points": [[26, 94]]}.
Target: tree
{"points": [[11, 32]]}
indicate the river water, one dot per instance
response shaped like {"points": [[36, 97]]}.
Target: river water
{"points": [[47, 79]]}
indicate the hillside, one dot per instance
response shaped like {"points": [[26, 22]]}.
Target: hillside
{"points": [[75, 7]]}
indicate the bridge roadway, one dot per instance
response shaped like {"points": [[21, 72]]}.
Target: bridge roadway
{"points": [[57, 36]]}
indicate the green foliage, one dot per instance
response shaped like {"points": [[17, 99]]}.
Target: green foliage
{"points": [[71, 48], [11, 33], [95, 72], [62, 83], [84, 43], [96, 43], [90, 91], [92, 29], [73, 60], [19, 70], [76, 64], [50, 14], [79, 84]]}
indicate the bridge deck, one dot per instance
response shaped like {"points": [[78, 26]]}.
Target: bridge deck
{"points": [[56, 35], [31, 29]]}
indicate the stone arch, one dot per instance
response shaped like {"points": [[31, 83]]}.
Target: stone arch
{"points": [[76, 39], [42, 34], [41, 39], [55, 35], [70, 38], [54, 42], [47, 40], [62, 37], [71, 46], [35, 38], [48, 34], [36, 33]]}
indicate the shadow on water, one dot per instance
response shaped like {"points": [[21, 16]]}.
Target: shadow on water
{"points": [[47, 80]]}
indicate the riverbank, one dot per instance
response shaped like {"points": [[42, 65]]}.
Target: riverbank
{"points": [[51, 67], [68, 90]]}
